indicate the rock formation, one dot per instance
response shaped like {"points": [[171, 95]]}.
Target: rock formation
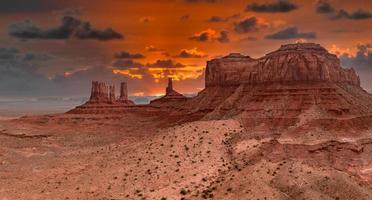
{"points": [[99, 93], [172, 98], [124, 95], [103, 100], [296, 82], [291, 63]]}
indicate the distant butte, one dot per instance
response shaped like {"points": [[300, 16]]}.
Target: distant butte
{"points": [[103, 100]]}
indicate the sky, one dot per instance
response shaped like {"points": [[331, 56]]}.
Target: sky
{"points": [[57, 47]]}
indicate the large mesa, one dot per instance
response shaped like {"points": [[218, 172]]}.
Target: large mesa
{"points": [[302, 62], [280, 87]]}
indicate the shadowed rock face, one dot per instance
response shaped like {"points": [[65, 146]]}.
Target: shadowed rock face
{"points": [[290, 63]]}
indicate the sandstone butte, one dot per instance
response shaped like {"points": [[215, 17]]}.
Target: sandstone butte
{"points": [[277, 89]]}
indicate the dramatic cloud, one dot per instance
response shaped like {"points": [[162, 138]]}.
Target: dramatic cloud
{"points": [[211, 35], [250, 24], [355, 15], [70, 27], [191, 53], [359, 59], [126, 64], [324, 7], [291, 33], [19, 73], [216, 19], [362, 58], [127, 55], [224, 37], [278, 6], [165, 64]]}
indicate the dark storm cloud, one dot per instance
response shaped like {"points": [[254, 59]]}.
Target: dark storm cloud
{"points": [[224, 37], [211, 35], [190, 54], [324, 7], [362, 63], [274, 7], [291, 33], [202, 37], [126, 64], [127, 55], [16, 6], [165, 64], [362, 59], [247, 25], [19, 73], [70, 27], [355, 15]]}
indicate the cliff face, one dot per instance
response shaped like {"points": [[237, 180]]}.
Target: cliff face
{"points": [[290, 63], [100, 93], [280, 87]]}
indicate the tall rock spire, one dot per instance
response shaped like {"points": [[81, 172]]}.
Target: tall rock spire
{"points": [[123, 91], [112, 97], [169, 88]]}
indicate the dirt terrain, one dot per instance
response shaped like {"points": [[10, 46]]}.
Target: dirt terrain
{"points": [[136, 156]]}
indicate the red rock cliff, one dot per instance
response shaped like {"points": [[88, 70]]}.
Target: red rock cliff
{"points": [[290, 63]]}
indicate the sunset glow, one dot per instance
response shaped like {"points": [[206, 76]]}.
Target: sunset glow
{"points": [[145, 42]]}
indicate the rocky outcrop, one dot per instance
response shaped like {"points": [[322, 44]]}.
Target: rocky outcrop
{"points": [[290, 63], [99, 93], [103, 100], [123, 98], [171, 98]]}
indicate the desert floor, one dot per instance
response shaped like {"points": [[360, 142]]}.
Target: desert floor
{"points": [[133, 156]]}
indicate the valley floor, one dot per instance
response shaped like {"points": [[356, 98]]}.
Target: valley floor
{"points": [[141, 157]]}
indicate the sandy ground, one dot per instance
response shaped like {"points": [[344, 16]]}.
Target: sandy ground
{"points": [[144, 157]]}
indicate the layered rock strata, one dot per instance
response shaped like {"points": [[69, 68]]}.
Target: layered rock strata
{"points": [[290, 63], [296, 84]]}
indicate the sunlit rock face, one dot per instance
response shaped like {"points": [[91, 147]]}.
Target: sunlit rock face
{"points": [[278, 88], [290, 63]]}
